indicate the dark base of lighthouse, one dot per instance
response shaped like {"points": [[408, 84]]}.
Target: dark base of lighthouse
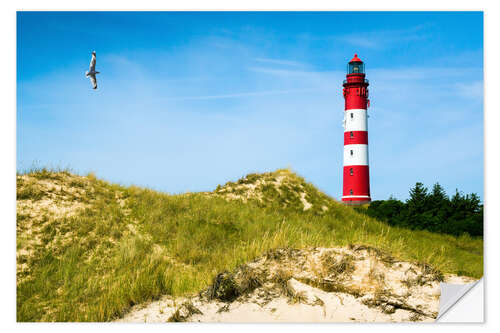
{"points": [[355, 202]]}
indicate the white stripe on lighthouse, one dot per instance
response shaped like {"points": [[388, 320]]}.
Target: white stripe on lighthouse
{"points": [[355, 155], [355, 196], [355, 120]]}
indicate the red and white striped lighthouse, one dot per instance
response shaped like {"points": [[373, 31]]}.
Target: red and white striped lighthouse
{"points": [[356, 189]]}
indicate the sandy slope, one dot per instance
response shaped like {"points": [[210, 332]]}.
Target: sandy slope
{"points": [[357, 284]]}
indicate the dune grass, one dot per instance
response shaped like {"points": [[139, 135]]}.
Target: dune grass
{"points": [[131, 245]]}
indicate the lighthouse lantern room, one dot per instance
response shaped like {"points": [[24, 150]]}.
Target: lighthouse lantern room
{"points": [[356, 179]]}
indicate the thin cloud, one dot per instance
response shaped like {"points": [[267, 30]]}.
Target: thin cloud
{"points": [[472, 90], [282, 72], [295, 73], [280, 62], [239, 95], [422, 73], [383, 38]]}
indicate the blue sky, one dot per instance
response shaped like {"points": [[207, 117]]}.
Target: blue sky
{"points": [[187, 101]]}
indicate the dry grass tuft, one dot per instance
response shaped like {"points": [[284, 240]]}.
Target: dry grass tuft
{"points": [[183, 313]]}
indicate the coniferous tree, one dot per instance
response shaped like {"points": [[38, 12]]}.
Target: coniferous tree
{"points": [[438, 194], [438, 208], [415, 206], [418, 196]]}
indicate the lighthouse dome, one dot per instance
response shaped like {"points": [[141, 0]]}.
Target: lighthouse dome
{"points": [[355, 59], [355, 66]]}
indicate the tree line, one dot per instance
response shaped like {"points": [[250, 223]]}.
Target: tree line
{"points": [[432, 210]]}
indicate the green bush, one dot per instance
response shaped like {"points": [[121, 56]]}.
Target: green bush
{"points": [[433, 211]]}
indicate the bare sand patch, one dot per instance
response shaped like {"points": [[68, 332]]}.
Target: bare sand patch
{"points": [[345, 284]]}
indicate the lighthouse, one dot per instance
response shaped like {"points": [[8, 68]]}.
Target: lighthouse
{"points": [[356, 180]]}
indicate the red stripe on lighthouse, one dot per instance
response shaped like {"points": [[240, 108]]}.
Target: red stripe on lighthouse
{"points": [[354, 101], [355, 138], [356, 181]]}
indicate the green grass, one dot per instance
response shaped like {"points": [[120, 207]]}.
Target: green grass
{"points": [[157, 244]]}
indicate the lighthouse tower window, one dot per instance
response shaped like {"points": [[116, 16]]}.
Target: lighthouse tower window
{"points": [[352, 115], [352, 135], [350, 191], [352, 152], [351, 172]]}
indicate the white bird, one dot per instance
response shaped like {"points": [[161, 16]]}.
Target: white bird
{"points": [[91, 73]]}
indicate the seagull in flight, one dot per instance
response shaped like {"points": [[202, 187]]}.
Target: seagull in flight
{"points": [[91, 73]]}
